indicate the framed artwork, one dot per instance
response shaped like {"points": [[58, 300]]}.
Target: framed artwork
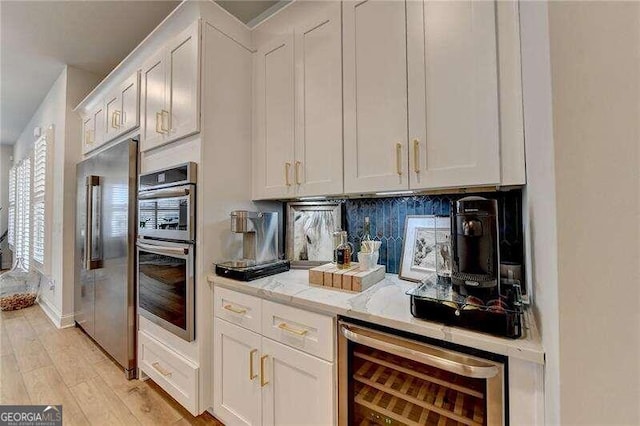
{"points": [[310, 228], [420, 255]]}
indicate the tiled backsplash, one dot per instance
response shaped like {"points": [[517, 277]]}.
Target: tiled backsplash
{"points": [[387, 216]]}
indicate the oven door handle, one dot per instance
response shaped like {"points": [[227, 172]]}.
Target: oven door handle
{"points": [[163, 193], [421, 353], [167, 251]]}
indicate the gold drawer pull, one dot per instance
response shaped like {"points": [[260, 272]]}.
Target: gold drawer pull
{"points": [[399, 159], [161, 370], [251, 375], [263, 382], [235, 310], [285, 327], [416, 155]]}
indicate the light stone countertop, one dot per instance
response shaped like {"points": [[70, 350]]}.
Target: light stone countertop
{"points": [[385, 304]]}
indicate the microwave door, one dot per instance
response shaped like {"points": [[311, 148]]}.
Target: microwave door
{"points": [[167, 213]]}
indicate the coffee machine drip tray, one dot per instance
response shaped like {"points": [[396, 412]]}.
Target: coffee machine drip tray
{"points": [[248, 270], [437, 300]]}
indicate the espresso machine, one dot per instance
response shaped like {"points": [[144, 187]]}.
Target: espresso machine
{"points": [[475, 247], [259, 247]]}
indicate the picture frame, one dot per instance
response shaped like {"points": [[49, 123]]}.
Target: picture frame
{"points": [[310, 228], [419, 246]]}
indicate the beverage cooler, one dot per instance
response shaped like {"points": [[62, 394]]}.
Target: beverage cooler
{"points": [[385, 379]]}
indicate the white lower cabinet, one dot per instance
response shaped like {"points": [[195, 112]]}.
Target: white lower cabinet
{"points": [[298, 388], [236, 390], [175, 374], [259, 381]]}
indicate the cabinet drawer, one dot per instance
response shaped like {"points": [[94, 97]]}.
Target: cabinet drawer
{"points": [[238, 308], [173, 373], [310, 332]]}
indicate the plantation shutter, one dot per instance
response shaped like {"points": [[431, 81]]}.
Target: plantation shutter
{"points": [[23, 213], [39, 186], [12, 207]]}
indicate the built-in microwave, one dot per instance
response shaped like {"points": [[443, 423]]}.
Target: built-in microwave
{"points": [[166, 203]]}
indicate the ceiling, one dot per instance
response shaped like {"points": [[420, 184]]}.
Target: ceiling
{"points": [[249, 11], [38, 38]]}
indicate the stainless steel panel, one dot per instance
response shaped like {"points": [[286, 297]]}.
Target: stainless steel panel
{"points": [[84, 278], [114, 281]]}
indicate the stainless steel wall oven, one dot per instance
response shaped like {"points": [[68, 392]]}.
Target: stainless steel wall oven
{"points": [[166, 249], [385, 379]]}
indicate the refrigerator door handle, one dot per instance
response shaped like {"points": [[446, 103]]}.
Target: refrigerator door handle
{"points": [[90, 262]]}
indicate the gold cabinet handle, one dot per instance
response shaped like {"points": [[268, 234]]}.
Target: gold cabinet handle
{"points": [[251, 375], [416, 155], [168, 128], [235, 310], [263, 382], [87, 137], [285, 327], [158, 120], [115, 119], [398, 158], [161, 370], [287, 166], [297, 172]]}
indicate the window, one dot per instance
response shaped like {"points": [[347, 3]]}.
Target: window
{"points": [[12, 207], [22, 243], [39, 186]]}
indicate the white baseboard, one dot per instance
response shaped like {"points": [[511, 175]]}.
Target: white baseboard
{"points": [[59, 320]]}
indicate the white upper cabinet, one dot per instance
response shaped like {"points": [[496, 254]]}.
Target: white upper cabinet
{"points": [[152, 101], [298, 103], [129, 93], [318, 61], [375, 96], [116, 115], [171, 91], [453, 94], [274, 108]]}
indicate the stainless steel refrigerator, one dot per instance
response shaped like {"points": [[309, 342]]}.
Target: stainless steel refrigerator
{"points": [[105, 282]]}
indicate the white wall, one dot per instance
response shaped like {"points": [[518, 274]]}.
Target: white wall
{"points": [[595, 63], [50, 112], [539, 195], [6, 156], [55, 109]]}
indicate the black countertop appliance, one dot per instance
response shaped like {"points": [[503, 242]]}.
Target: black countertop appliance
{"points": [[475, 247]]}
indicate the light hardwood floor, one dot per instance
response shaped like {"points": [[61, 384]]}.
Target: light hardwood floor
{"points": [[41, 364]]}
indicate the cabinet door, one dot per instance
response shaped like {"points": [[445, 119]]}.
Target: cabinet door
{"points": [[113, 108], [236, 374], [300, 388], [87, 134], [453, 94], [274, 107], [153, 122], [375, 96], [183, 74], [129, 93], [318, 64], [99, 126]]}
